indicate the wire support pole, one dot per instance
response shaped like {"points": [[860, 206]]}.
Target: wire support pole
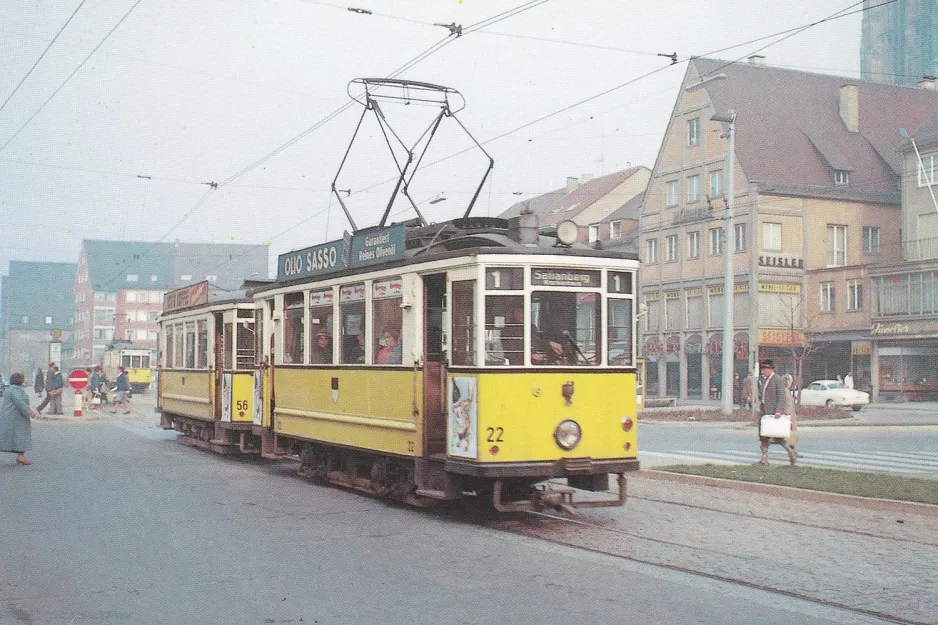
{"points": [[729, 278]]}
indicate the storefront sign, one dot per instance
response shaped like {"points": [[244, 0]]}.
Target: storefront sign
{"points": [[739, 287], [861, 348], [885, 329], [781, 338], [774, 287], [561, 276], [672, 295], [781, 261], [191, 295]]}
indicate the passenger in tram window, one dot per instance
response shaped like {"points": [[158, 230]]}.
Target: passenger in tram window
{"points": [[322, 349], [391, 352], [353, 335]]}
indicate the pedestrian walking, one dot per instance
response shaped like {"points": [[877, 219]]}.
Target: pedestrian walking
{"points": [[54, 386], [97, 380], [15, 415], [39, 382], [848, 380], [745, 393], [122, 389], [773, 403]]}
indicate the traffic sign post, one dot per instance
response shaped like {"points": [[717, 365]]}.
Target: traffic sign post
{"points": [[78, 379]]}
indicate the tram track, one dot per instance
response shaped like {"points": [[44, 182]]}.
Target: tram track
{"points": [[601, 538]]}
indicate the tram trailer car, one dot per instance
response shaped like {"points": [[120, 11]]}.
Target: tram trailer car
{"points": [[206, 382], [135, 360], [427, 364]]}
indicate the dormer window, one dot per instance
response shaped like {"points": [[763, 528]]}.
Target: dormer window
{"points": [[841, 176]]}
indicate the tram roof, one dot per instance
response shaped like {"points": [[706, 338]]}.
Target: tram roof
{"points": [[470, 237]]}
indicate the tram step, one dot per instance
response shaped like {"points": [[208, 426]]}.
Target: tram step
{"points": [[434, 494]]}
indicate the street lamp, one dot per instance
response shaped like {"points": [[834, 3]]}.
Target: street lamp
{"points": [[729, 119]]}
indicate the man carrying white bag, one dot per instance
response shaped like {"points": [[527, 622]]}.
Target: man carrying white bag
{"points": [[774, 427]]}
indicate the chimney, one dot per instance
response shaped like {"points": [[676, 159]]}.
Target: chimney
{"points": [[927, 82], [850, 107], [757, 59], [585, 178], [572, 184]]}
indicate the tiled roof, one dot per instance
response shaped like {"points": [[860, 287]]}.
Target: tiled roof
{"points": [[630, 210], [115, 265], [790, 136], [38, 290], [558, 205]]}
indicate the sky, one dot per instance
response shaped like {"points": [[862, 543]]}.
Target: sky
{"points": [[116, 116]]}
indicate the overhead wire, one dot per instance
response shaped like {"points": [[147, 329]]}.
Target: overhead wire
{"points": [[75, 71], [54, 39]]}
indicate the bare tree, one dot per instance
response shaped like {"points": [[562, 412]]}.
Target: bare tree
{"points": [[798, 324]]}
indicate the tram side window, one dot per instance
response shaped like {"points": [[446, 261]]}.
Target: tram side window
{"points": [[320, 331], [293, 328], [202, 331], [387, 322], [352, 313], [226, 342], [620, 332], [125, 360], [504, 330], [169, 347], [244, 358], [464, 350], [565, 328], [180, 345], [190, 345]]}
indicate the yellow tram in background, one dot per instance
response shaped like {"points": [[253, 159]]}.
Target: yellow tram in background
{"points": [[425, 363], [135, 360]]}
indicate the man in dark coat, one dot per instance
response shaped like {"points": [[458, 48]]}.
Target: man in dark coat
{"points": [[39, 383], [54, 387], [773, 396]]}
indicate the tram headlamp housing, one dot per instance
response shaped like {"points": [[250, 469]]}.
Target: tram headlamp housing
{"points": [[568, 434], [567, 232]]}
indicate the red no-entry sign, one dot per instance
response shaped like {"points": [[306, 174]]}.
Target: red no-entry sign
{"points": [[78, 379]]}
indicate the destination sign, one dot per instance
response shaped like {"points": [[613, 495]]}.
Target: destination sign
{"points": [[561, 276], [191, 295]]}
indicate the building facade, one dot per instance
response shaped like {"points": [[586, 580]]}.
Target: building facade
{"points": [[119, 286], [816, 203], [899, 45], [35, 316]]}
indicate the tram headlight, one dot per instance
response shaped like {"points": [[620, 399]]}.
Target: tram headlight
{"points": [[568, 434]]}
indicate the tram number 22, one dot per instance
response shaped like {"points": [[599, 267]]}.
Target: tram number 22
{"points": [[495, 434]]}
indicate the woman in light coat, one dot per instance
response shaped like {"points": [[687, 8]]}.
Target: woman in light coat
{"points": [[15, 415]]}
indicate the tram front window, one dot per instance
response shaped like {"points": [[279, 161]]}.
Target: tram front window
{"points": [[504, 330], [565, 328]]}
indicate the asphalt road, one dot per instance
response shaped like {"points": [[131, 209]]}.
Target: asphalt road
{"points": [[117, 522]]}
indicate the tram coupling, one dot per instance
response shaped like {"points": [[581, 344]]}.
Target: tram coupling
{"points": [[555, 496]]}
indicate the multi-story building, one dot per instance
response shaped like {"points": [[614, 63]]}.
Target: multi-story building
{"points": [[119, 286], [816, 203], [588, 202], [903, 347], [899, 45], [36, 311]]}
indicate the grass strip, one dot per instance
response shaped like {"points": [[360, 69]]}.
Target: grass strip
{"points": [[856, 483]]}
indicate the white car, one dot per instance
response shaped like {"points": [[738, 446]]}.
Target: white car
{"points": [[832, 393]]}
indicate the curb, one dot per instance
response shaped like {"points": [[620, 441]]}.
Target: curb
{"points": [[870, 503]]}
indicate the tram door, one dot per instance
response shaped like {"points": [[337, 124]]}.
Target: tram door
{"points": [[221, 337], [434, 365]]}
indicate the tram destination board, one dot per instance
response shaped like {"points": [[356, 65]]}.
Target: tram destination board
{"points": [[563, 276]]}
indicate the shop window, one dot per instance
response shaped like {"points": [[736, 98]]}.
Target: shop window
{"points": [[293, 328], [320, 321], [386, 305], [352, 313], [504, 330], [464, 322]]}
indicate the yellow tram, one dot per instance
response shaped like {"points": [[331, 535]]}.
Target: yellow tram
{"points": [[135, 360], [425, 363], [206, 384]]}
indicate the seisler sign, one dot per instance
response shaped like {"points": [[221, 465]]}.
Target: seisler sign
{"points": [[560, 276]]}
